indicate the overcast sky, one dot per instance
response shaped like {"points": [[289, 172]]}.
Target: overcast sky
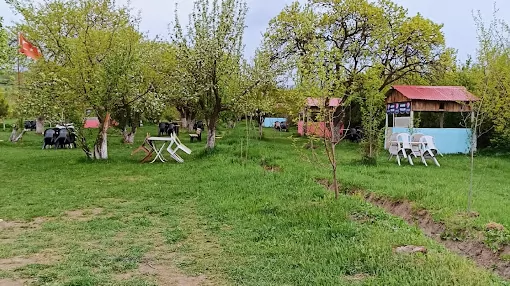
{"points": [[456, 15]]}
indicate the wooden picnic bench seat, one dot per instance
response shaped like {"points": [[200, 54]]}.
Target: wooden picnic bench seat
{"points": [[198, 135]]}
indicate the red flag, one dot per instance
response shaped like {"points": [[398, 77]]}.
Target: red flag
{"points": [[28, 49]]}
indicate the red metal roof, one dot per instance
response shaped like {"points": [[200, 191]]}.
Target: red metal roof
{"points": [[314, 102], [436, 93]]}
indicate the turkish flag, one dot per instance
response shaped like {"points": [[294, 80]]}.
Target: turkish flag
{"points": [[28, 49]]}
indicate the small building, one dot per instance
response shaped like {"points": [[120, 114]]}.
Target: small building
{"points": [[403, 101], [310, 125]]}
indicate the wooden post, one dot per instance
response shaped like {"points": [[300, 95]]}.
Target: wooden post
{"points": [[441, 120], [411, 123], [473, 131]]}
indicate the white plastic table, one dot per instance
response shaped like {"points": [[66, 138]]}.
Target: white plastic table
{"points": [[159, 151]]}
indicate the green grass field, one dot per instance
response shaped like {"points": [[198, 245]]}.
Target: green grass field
{"points": [[220, 219]]}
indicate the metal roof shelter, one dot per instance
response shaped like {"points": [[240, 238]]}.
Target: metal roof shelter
{"points": [[407, 99], [402, 101]]}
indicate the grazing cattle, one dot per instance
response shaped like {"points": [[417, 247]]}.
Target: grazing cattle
{"points": [[281, 126], [60, 137], [65, 139], [198, 124], [60, 142], [49, 137], [30, 125], [166, 128]]}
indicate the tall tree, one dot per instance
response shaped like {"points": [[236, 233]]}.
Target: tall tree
{"points": [[357, 37], [212, 51], [4, 45], [95, 43]]}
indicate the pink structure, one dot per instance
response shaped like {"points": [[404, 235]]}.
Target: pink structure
{"points": [[317, 128], [92, 122]]}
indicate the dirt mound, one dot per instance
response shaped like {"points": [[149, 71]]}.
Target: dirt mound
{"points": [[474, 249]]}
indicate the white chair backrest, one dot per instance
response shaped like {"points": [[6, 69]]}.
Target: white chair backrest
{"points": [[404, 139], [416, 137], [393, 146], [429, 140]]}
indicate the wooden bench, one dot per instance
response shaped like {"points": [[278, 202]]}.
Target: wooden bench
{"points": [[198, 135]]}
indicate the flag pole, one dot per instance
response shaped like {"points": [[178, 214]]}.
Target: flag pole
{"points": [[19, 77]]}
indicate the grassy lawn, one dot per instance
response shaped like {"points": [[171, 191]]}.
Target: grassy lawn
{"points": [[218, 219]]}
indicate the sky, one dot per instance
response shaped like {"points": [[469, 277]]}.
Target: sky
{"points": [[455, 15]]}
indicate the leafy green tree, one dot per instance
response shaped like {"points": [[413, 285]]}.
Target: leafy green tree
{"points": [[4, 45], [212, 53], [372, 104], [357, 37], [45, 96], [96, 45], [4, 108]]}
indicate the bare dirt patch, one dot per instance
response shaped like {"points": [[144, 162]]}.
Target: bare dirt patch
{"points": [[83, 215], [17, 225], [11, 282], [162, 269], [274, 169], [474, 249], [45, 258]]}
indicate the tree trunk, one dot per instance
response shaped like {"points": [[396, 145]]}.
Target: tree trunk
{"points": [[261, 131], [335, 181], [129, 137], [211, 134], [101, 145], [39, 125], [191, 124], [184, 122]]}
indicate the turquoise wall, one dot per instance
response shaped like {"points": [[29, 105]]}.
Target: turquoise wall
{"points": [[448, 140], [269, 122]]}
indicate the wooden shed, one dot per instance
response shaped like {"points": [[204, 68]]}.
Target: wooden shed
{"points": [[407, 99], [402, 101]]}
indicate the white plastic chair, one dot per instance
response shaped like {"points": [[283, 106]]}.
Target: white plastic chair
{"points": [[429, 150], [180, 145], [415, 138], [404, 146], [174, 140], [393, 149]]}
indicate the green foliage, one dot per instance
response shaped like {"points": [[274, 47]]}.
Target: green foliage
{"points": [[4, 45], [94, 57], [211, 64], [4, 107], [372, 103], [496, 239], [355, 50], [170, 114], [358, 36]]}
